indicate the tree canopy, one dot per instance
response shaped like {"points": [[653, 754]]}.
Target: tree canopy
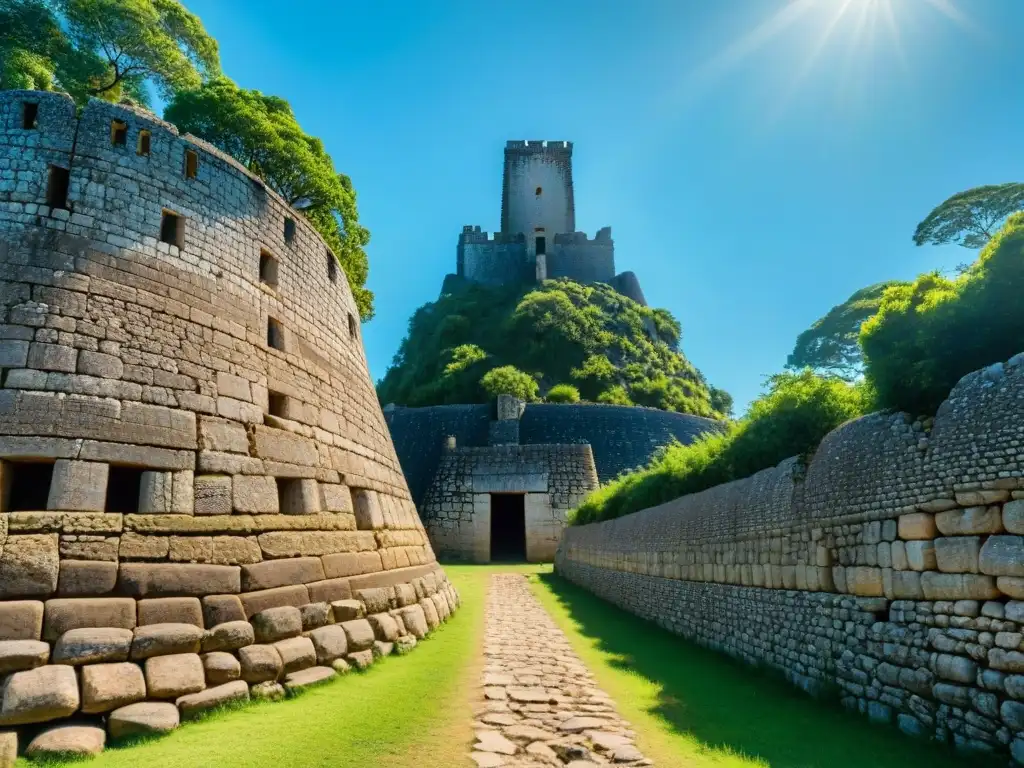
{"points": [[607, 347], [830, 346], [789, 419], [110, 49], [972, 217], [930, 333], [262, 133]]}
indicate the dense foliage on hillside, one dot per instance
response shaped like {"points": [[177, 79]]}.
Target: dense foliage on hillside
{"points": [[916, 341], [790, 419], [930, 333], [476, 341]]}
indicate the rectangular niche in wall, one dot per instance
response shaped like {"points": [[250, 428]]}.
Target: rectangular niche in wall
{"points": [[172, 228], [145, 140], [57, 184], [25, 485], [29, 115], [353, 327], [275, 334], [268, 268], [191, 164], [508, 527], [332, 267], [277, 404], [123, 487], [289, 229], [118, 133]]}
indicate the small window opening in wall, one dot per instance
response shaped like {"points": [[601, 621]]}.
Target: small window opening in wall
{"points": [[57, 187], [332, 267], [276, 404], [172, 229], [123, 486], [191, 164], [118, 133], [289, 230], [275, 334], [289, 495], [144, 141], [29, 115], [353, 326], [538, 192], [26, 486], [542, 246], [268, 269]]}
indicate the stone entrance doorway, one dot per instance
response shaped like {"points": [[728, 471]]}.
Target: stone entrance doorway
{"points": [[508, 527]]}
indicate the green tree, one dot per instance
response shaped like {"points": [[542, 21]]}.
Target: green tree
{"points": [[789, 419], [929, 334], [830, 346], [563, 393], [972, 217], [262, 133], [721, 401], [509, 380], [111, 49]]}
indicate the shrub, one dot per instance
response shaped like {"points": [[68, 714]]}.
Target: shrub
{"points": [[563, 393], [509, 380], [791, 418], [929, 334], [588, 336]]}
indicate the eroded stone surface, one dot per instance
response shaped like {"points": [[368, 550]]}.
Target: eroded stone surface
{"points": [[540, 705]]}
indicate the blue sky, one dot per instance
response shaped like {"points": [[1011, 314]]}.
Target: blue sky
{"points": [[758, 160]]}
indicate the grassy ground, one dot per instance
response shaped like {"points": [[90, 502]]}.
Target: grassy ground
{"points": [[694, 708], [410, 712]]}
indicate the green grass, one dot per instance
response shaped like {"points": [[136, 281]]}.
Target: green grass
{"points": [[693, 707], [408, 712]]}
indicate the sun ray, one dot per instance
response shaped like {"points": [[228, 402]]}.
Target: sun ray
{"points": [[742, 48], [889, 14], [783, 101]]}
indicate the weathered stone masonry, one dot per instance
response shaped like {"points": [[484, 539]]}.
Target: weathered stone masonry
{"points": [[192, 457], [891, 565]]}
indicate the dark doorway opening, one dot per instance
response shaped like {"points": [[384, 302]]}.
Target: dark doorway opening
{"points": [[508, 527], [123, 487], [542, 246], [28, 486]]}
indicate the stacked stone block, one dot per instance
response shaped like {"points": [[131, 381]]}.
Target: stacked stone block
{"points": [[891, 565], [554, 479], [187, 441]]}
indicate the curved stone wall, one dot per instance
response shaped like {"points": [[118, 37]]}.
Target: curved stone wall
{"points": [[189, 436], [622, 437], [892, 565]]}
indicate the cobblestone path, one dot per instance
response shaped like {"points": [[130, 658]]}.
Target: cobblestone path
{"points": [[541, 707]]}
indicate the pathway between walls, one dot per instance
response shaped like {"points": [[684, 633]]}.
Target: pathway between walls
{"points": [[541, 706]]}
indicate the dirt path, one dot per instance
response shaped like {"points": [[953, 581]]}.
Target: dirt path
{"points": [[540, 705]]}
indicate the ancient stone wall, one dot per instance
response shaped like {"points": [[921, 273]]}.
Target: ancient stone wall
{"points": [[577, 257], [622, 437], [493, 260], [189, 435], [456, 509], [892, 566]]}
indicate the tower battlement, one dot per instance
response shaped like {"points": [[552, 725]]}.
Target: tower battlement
{"points": [[538, 145]]}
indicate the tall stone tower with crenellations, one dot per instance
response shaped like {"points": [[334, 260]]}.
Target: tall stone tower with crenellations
{"points": [[192, 456], [538, 238]]}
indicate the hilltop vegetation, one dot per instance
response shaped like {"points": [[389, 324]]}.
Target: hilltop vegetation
{"points": [[559, 339]]}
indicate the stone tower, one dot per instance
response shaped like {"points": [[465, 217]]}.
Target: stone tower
{"points": [[189, 436], [536, 193], [538, 238]]}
